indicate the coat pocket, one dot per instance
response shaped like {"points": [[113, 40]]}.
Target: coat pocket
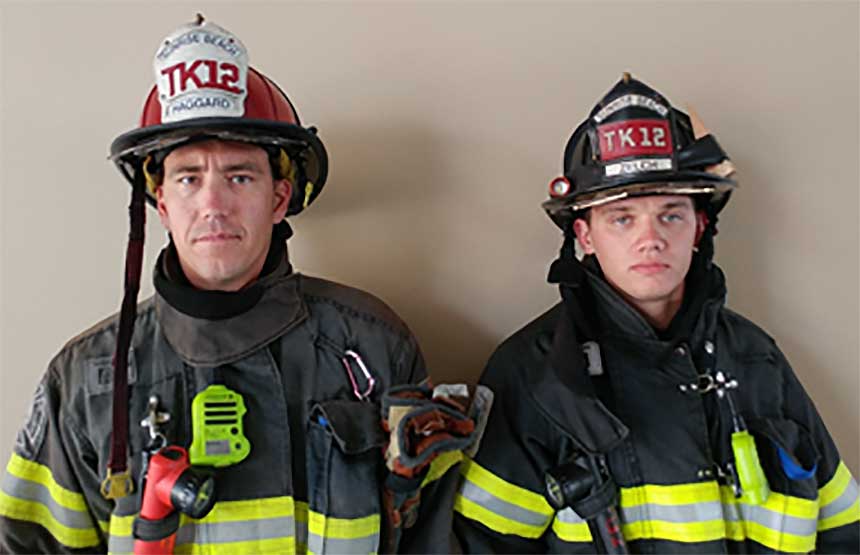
{"points": [[788, 456], [345, 471], [787, 521]]}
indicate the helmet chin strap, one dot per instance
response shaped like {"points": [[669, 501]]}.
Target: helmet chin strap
{"points": [[705, 244], [567, 268], [118, 483]]}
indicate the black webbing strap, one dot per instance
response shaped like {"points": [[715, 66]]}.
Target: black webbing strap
{"points": [[155, 530], [576, 407], [118, 482]]}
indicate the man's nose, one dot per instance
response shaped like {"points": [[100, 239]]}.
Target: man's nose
{"points": [[215, 196], [651, 237]]}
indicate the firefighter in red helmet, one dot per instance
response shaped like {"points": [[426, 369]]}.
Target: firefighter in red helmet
{"points": [[640, 414], [242, 409]]}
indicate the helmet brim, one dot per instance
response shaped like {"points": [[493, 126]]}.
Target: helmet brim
{"points": [[670, 183], [129, 150]]}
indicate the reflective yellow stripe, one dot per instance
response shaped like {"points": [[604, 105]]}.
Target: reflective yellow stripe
{"points": [[494, 521], [302, 511], [698, 503], [342, 528], [571, 531], [774, 539], [849, 515], [329, 534], [255, 547], [688, 513], [440, 465], [30, 493], [119, 534], [702, 512], [839, 500], [687, 532], [37, 513], [41, 474], [780, 540], [680, 494], [778, 503], [250, 511], [499, 505], [120, 525], [834, 488], [223, 511], [517, 495], [301, 518]]}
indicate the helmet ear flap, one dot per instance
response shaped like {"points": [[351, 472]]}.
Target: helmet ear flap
{"points": [[302, 196], [153, 173]]}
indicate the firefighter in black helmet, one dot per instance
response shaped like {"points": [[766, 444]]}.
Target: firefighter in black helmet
{"points": [[640, 414]]}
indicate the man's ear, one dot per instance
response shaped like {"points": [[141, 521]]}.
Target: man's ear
{"points": [[162, 207], [281, 200], [701, 225], [583, 235]]}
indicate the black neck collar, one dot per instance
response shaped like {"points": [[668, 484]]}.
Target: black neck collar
{"points": [[704, 283], [172, 284]]}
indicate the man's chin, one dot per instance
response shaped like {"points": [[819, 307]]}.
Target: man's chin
{"points": [[213, 248], [654, 294], [217, 278]]}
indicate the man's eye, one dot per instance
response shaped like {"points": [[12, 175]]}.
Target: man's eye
{"points": [[187, 180], [673, 217], [622, 220], [240, 179]]}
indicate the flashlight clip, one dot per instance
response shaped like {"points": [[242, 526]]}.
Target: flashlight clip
{"points": [[154, 423]]}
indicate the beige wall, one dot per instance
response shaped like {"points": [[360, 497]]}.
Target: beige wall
{"points": [[444, 123]]}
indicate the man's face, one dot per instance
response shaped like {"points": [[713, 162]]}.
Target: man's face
{"points": [[644, 245], [219, 201]]}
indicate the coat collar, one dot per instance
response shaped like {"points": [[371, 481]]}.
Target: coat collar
{"points": [[211, 328], [610, 314], [202, 342], [704, 296]]}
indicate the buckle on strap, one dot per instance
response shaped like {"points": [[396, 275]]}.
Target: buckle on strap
{"points": [[707, 382], [116, 486], [703, 384]]}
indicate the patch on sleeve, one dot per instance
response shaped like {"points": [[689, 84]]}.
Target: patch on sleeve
{"points": [[100, 373], [31, 436]]}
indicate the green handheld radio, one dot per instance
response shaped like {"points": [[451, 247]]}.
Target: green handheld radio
{"points": [[216, 418]]}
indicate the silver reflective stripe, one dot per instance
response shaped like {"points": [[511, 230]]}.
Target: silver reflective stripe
{"points": [[203, 533], [318, 544], [569, 516], [778, 522], [301, 534], [848, 497], [33, 491], [118, 545], [235, 531], [501, 507], [693, 512]]}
